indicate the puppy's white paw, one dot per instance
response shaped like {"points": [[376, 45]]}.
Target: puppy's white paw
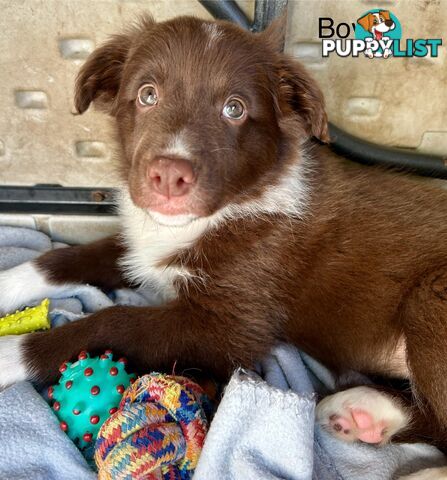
{"points": [[428, 474], [21, 285], [362, 414], [12, 365]]}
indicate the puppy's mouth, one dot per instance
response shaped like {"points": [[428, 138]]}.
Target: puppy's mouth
{"points": [[174, 211], [181, 206], [180, 220]]}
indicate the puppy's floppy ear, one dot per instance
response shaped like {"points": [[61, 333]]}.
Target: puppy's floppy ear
{"points": [[300, 94], [100, 76], [385, 14], [366, 21], [275, 33]]}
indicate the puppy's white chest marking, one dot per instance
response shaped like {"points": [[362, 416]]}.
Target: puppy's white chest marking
{"points": [[150, 243]]}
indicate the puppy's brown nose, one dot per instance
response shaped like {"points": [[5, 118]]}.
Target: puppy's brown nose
{"points": [[171, 177], [389, 23]]}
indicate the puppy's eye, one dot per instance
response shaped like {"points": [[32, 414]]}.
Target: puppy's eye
{"points": [[147, 95], [234, 109]]}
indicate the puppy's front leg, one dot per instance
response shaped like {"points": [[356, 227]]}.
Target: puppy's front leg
{"points": [[60, 269], [152, 338]]}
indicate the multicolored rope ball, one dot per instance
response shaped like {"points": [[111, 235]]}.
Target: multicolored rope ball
{"points": [[156, 434]]}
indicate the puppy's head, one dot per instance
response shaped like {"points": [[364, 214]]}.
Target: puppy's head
{"points": [[207, 113]]}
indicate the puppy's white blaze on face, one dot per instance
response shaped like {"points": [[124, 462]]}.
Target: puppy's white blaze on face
{"points": [[178, 146], [213, 31]]}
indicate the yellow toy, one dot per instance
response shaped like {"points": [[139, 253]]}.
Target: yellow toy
{"points": [[28, 320]]}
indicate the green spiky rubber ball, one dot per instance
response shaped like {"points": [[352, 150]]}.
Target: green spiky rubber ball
{"points": [[88, 392]]}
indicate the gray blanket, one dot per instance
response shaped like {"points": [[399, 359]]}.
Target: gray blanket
{"points": [[263, 429]]}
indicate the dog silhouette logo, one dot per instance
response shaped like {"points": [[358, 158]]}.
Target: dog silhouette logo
{"points": [[378, 28]]}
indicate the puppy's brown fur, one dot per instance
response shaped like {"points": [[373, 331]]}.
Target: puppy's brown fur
{"points": [[361, 271]]}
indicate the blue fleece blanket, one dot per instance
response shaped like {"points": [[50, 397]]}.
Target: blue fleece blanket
{"points": [[263, 429]]}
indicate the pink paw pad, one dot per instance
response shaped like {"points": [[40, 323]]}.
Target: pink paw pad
{"points": [[360, 424], [340, 424]]}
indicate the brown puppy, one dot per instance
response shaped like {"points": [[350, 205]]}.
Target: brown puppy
{"points": [[251, 230]]}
